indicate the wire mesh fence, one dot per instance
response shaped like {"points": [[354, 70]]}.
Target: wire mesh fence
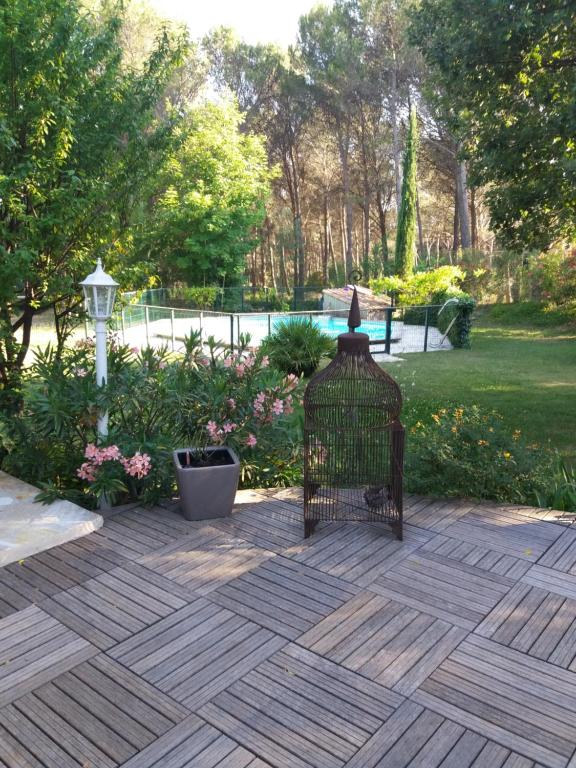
{"points": [[392, 331]]}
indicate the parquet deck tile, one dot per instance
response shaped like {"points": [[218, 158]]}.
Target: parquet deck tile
{"points": [[194, 744], [358, 552], [561, 556], [523, 703], [383, 640], [271, 524], [537, 622], [510, 532], [196, 652], [116, 605], [553, 580], [298, 709], [481, 557], [434, 514], [98, 714], [34, 648], [206, 560], [283, 596], [453, 591], [415, 737]]}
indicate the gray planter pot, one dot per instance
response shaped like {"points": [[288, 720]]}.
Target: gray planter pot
{"points": [[206, 491]]}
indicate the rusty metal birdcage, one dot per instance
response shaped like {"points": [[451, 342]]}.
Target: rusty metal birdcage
{"points": [[353, 438]]}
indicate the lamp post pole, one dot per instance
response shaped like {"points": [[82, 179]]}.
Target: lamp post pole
{"points": [[99, 292]]}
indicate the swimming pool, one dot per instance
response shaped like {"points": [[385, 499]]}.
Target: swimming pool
{"points": [[333, 326]]}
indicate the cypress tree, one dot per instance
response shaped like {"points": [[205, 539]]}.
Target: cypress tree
{"points": [[406, 228]]}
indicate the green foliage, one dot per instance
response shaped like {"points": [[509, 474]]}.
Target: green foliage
{"points": [[406, 229], [470, 453], [78, 136], [421, 287], [508, 76], [455, 319], [554, 275], [297, 345], [560, 491], [213, 192], [156, 403], [199, 297]]}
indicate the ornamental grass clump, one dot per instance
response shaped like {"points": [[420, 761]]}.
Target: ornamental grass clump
{"points": [[470, 453]]}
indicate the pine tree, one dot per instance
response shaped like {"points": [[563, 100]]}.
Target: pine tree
{"points": [[406, 229]]}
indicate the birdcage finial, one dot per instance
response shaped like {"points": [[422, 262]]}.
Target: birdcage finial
{"points": [[354, 319]]}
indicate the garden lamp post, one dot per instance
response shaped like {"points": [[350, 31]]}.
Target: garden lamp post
{"points": [[99, 292]]}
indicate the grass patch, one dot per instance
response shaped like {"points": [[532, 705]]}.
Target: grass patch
{"points": [[525, 370]]}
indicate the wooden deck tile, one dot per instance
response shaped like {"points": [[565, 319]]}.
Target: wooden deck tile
{"points": [[116, 605], [126, 535], [298, 709], [197, 651], [194, 743], [205, 560], [415, 737], [286, 597], [536, 622], [481, 557], [562, 554], [271, 524], [35, 648], [434, 514], [527, 705], [358, 552], [553, 580], [512, 533], [453, 591], [383, 640], [97, 714]]}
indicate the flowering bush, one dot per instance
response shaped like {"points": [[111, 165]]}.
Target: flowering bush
{"points": [[421, 287], [469, 452], [156, 402]]}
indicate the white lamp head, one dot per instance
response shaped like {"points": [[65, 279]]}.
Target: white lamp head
{"points": [[99, 292]]}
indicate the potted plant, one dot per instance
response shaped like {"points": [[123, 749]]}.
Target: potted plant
{"points": [[207, 480]]}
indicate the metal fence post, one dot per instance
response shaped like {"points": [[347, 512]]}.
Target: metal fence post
{"points": [[122, 325], [173, 333], [231, 333], [147, 323], [389, 311], [426, 325], [201, 328], [269, 324]]}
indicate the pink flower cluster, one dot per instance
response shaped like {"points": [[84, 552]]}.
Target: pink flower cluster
{"points": [[136, 466], [217, 433]]}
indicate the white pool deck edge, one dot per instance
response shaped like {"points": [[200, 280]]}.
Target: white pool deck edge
{"points": [[28, 527]]}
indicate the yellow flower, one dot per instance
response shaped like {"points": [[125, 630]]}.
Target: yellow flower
{"points": [[443, 411], [458, 413], [436, 418], [454, 429], [516, 434], [507, 455], [418, 425], [490, 429], [483, 442]]}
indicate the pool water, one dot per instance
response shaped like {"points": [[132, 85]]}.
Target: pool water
{"points": [[332, 326]]}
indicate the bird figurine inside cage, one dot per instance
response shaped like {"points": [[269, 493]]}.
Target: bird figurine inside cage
{"points": [[353, 438]]}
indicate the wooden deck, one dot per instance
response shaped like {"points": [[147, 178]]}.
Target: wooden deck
{"points": [[237, 644]]}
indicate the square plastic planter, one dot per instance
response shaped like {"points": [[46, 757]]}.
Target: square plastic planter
{"points": [[207, 481]]}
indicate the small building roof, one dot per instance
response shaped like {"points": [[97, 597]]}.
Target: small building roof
{"points": [[368, 301]]}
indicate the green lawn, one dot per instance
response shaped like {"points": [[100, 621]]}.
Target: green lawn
{"points": [[524, 370]]}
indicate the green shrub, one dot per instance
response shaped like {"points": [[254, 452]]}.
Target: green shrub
{"points": [[297, 345], [156, 402], [460, 312], [421, 287], [468, 452]]}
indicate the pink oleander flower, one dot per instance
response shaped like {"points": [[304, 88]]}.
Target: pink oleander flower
{"points": [[81, 372], [138, 466], [134, 350], [288, 407], [251, 440], [228, 362], [212, 429], [162, 364], [204, 361], [229, 426], [86, 472], [231, 403], [259, 401], [291, 382], [91, 451], [277, 407], [249, 361], [240, 370], [265, 361]]}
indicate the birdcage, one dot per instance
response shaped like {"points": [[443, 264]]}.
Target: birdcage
{"points": [[353, 438]]}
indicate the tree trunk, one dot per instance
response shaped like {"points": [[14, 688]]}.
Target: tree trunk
{"points": [[419, 222], [382, 224], [283, 273], [456, 234], [395, 133], [473, 218], [463, 212], [343, 148], [366, 237], [325, 246]]}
